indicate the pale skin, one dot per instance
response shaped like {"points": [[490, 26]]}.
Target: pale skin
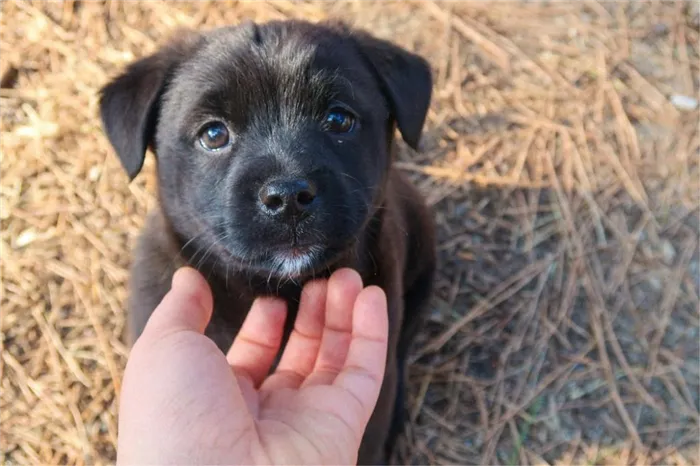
{"points": [[184, 402]]}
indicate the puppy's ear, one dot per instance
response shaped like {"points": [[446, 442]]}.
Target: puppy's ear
{"points": [[406, 81], [129, 104]]}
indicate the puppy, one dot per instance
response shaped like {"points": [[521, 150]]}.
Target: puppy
{"points": [[274, 147]]}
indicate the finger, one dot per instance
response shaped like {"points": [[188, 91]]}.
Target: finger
{"points": [[364, 367], [301, 350], [343, 288], [187, 306], [259, 339]]}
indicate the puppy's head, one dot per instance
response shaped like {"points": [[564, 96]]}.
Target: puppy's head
{"points": [[272, 141]]}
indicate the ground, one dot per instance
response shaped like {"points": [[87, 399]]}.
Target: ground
{"points": [[560, 158]]}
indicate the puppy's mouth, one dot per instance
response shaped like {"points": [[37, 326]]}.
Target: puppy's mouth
{"points": [[292, 259]]}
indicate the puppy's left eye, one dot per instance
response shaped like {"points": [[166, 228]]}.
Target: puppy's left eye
{"points": [[339, 120], [214, 136]]}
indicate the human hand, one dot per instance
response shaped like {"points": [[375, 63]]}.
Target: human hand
{"points": [[184, 402]]}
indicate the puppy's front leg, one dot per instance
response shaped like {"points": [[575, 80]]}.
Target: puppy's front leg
{"points": [[155, 262], [374, 448]]}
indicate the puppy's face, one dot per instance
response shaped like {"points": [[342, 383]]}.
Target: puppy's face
{"points": [[268, 152], [272, 141]]}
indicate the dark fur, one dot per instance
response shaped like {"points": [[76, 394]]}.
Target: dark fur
{"points": [[272, 84]]}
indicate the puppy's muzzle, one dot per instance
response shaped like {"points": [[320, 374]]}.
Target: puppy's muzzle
{"points": [[288, 199]]}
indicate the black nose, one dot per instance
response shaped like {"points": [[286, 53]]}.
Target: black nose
{"points": [[290, 197]]}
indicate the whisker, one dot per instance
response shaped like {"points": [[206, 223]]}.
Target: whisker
{"points": [[226, 279], [204, 257], [351, 177], [218, 257], [198, 235]]}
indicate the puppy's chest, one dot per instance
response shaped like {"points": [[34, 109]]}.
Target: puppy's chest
{"points": [[231, 308]]}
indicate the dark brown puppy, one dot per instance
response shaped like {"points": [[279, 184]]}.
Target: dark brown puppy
{"points": [[274, 146]]}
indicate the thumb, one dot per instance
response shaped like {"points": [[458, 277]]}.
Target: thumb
{"points": [[186, 307]]}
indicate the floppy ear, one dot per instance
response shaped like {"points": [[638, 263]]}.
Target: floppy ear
{"points": [[406, 81], [129, 103]]}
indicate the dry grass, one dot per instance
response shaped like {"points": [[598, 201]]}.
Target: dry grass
{"points": [[566, 186]]}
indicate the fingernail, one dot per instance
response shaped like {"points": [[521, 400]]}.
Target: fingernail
{"points": [[189, 285], [176, 276]]}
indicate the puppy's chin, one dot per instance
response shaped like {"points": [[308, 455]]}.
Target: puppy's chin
{"points": [[279, 260], [296, 262]]}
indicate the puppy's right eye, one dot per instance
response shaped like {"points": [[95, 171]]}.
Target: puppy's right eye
{"points": [[214, 136]]}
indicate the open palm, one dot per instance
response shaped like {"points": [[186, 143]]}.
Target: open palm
{"points": [[183, 402]]}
